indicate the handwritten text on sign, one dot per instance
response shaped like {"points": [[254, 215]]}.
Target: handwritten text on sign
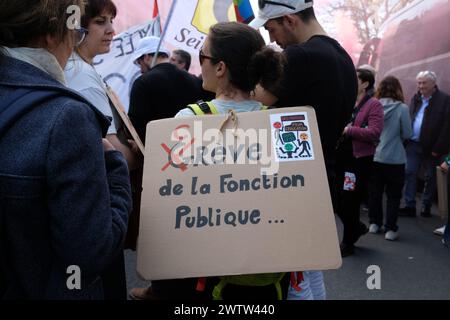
{"points": [[222, 194], [185, 217]]}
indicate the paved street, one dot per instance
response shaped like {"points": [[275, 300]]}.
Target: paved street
{"points": [[416, 266]]}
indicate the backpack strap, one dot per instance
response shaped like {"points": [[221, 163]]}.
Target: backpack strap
{"points": [[296, 279], [201, 108], [201, 284], [254, 280], [217, 291], [20, 102]]}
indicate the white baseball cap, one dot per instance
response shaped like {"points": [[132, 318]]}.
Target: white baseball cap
{"points": [[148, 45], [269, 9]]}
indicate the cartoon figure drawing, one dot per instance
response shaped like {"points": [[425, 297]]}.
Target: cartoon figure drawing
{"points": [[291, 138], [289, 150], [304, 144], [278, 127]]}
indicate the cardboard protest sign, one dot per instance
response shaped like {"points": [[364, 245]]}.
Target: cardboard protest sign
{"points": [[236, 197], [441, 180]]}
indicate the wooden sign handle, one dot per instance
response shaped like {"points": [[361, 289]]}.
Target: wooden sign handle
{"points": [[118, 106]]}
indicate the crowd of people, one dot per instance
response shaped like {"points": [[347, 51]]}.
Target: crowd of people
{"points": [[391, 141], [71, 177]]}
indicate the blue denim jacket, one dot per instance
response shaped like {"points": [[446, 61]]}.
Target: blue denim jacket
{"points": [[63, 200]]}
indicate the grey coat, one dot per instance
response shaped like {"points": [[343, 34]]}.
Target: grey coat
{"points": [[63, 201], [397, 129]]}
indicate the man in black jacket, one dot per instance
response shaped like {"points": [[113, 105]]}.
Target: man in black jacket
{"points": [[430, 110]]}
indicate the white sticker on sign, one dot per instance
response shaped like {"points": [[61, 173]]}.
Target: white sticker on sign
{"points": [[349, 181], [291, 136]]}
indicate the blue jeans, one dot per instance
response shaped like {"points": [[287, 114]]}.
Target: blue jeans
{"points": [[313, 287], [415, 159]]}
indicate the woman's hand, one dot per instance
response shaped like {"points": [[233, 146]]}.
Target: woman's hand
{"points": [[107, 146], [134, 146], [444, 166]]}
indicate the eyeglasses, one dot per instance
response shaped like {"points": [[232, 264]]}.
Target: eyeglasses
{"points": [[80, 34], [202, 57], [262, 4]]}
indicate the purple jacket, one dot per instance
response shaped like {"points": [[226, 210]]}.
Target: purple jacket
{"points": [[365, 140]]}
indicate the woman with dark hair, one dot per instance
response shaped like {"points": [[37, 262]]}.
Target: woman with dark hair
{"points": [[354, 165], [64, 191], [83, 78], [234, 59], [390, 158]]}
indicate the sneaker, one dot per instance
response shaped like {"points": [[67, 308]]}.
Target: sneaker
{"points": [[374, 228], [141, 294], [407, 212], [439, 231], [391, 235], [347, 250], [426, 212]]}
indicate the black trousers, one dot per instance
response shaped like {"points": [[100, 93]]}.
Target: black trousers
{"points": [[114, 279], [349, 202], [389, 178]]}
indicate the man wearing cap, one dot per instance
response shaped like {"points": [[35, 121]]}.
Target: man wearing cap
{"points": [[145, 53], [162, 90], [319, 73]]}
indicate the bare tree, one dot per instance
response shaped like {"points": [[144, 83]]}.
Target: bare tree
{"points": [[369, 15]]}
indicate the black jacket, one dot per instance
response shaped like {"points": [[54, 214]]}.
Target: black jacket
{"points": [[435, 131], [160, 93]]}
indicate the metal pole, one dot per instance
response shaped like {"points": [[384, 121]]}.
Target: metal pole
{"points": [[161, 39]]}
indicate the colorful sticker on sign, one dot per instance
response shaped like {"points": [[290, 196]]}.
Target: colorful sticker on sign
{"points": [[291, 136], [349, 181]]}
